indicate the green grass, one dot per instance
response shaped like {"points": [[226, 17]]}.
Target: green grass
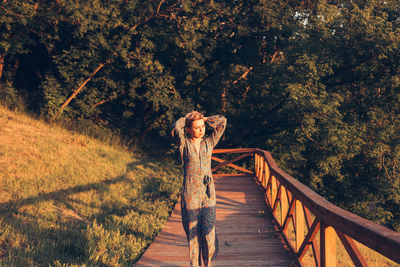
{"points": [[70, 200]]}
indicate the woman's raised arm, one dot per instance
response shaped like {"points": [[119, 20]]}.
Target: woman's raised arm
{"points": [[178, 131], [218, 123]]}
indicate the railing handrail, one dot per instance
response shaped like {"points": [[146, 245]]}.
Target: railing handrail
{"points": [[233, 150], [369, 233]]}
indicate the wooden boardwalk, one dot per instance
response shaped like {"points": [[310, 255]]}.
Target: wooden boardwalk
{"points": [[246, 232]]}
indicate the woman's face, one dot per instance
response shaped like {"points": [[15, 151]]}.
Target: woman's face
{"points": [[197, 129]]}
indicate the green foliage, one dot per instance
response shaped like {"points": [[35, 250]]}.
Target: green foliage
{"points": [[315, 82], [10, 97]]}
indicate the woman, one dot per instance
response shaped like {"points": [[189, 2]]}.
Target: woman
{"points": [[198, 191]]}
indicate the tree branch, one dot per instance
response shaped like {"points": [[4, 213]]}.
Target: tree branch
{"points": [[15, 14], [103, 64], [159, 6], [77, 91], [101, 102], [243, 76], [224, 90], [274, 56], [1, 64]]}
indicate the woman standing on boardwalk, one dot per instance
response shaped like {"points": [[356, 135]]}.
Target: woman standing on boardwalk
{"points": [[198, 192]]}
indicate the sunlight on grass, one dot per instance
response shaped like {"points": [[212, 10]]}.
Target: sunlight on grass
{"points": [[70, 200]]}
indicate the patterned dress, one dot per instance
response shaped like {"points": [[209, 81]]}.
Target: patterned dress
{"points": [[198, 199]]}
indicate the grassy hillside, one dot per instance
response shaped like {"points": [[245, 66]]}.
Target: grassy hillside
{"points": [[69, 200]]}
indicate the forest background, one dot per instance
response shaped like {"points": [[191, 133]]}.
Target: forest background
{"points": [[317, 83]]}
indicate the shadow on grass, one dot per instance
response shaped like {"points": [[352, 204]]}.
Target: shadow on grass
{"points": [[43, 241], [58, 196]]}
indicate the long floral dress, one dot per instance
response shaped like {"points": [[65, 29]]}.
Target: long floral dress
{"points": [[198, 199]]}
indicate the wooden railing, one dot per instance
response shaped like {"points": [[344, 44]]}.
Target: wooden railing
{"points": [[294, 204]]}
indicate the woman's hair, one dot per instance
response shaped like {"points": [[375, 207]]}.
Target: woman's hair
{"points": [[191, 117]]}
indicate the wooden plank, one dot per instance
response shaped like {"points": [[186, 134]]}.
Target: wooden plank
{"points": [[277, 201], [284, 205], [260, 169], [256, 157], [246, 232], [274, 190], [266, 174], [232, 165], [224, 163], [312, 232], [314, 243], [352, 250], [289, 216], [230, 175], [237, 186], [226, 263], [299, 224], [328, 246], [234, 150]]}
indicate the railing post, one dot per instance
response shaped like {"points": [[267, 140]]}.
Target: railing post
{"points": [[256, 164], [273, 190], [328, 246], [284, 206], [261, 169], [299, 223], [266, 174]]}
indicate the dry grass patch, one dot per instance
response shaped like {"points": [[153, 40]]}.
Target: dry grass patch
{"points": [[70, 200]]}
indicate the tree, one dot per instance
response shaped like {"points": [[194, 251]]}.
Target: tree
{"points": [[314, 82]]}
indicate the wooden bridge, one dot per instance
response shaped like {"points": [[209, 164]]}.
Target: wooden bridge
{"points": [[266, 217]]}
